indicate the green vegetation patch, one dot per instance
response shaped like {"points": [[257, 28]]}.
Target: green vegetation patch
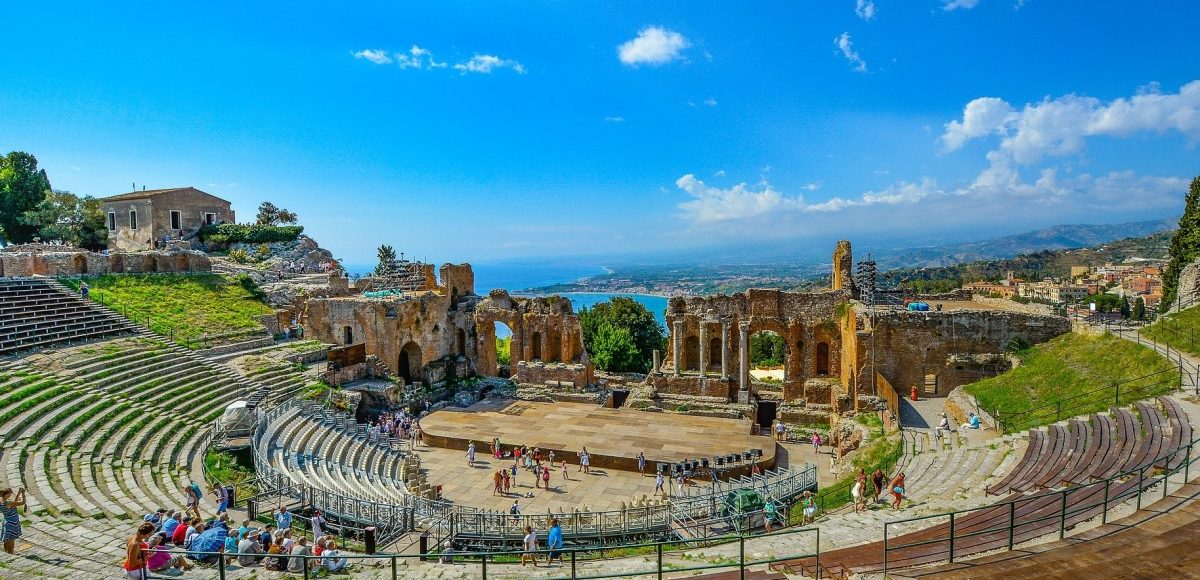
{"points": [[185, 306], [1073, 374], [249, 233], [227, 469], [1180, 330]]}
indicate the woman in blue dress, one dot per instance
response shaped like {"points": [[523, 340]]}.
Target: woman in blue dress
{"points": [[11, 529]]}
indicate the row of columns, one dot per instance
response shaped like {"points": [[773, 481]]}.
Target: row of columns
{"points": [[677, 347]]}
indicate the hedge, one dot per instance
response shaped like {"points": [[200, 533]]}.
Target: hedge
{"points": [[249, 233]]}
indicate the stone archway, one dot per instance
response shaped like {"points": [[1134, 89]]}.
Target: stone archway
{"points": [[461, 342], [535, 346], [691, 353], [347, 335], [80, 264], [408, 365], [822, 360]]}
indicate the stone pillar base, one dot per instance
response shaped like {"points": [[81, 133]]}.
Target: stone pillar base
{"points": [[744, 397]]}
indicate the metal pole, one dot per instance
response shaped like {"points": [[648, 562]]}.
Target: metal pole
{"points": [[1104, 514], [951, 537], [1062, 517], [742, 557], [1012, 522], [885, 550], [1141, 478], [572, 564], [484, 563], [658, 549], [394, 568], [817, 559]]}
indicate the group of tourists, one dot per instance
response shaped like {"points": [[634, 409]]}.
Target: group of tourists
{"points": [[526, 458], [880, 484], [554, 543], [204, 541], [399, 424]]}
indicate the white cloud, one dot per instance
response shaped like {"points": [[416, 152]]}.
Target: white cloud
{"points": [[956, 4], [375, 55], [813, 186], [486, 63], [847, 47], [719, 173], [710, 102], [617, 119], [865, 9], [654, 46], [1061, 126], [742, 202]]}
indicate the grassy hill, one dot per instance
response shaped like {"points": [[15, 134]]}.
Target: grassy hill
{"points": [[1074, 374], [1180, 330], [184, 306]]}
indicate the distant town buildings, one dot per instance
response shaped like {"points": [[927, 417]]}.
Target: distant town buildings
{"points": [[1139, 278]]}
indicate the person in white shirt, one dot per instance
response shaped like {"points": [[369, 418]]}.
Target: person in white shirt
{"points": [[530, 543]]}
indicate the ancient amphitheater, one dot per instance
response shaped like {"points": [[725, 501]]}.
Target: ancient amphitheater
{"points": [[103, 421]]}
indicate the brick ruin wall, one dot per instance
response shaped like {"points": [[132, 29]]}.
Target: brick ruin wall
{"points": [[14, 262], [911, 345]]}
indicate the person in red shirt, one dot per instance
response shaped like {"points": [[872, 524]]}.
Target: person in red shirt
{"points": [[181, 531]]}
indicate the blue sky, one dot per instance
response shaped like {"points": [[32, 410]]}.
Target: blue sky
{"points": [[484, 131]]}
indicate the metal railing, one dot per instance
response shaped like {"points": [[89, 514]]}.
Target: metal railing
{"points": [[1091, 500], [654, 553], [1126, 391]]}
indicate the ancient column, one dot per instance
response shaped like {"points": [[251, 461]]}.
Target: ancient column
{"points": [[724, 350], [676, 343], [657, 361], [744, 356], [703, 347]]}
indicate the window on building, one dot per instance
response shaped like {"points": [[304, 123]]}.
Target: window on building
{"points": [[133, 219], [112, 221], [176, 220], [210, 219]]}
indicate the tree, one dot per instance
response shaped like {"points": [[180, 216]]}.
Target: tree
{"points": [[632, 316], [387, 261], [504, 350], [64, 216], [614, 348], [271, 215], [766, 349], [1126, 310], [1185, 244], [1139, 309], [22, 187]]}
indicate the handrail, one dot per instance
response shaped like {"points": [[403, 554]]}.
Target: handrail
{"points": [[1062, 512]]}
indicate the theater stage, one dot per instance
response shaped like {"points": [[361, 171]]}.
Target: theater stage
{"points": [[613, 437]]}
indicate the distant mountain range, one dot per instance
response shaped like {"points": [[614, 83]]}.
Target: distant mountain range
{"points": [[1060, 237]]}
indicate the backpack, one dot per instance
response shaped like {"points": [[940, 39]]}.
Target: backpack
{"points": [[229, 492], [196, 490]]}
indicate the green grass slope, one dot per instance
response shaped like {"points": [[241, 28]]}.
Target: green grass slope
{"points": [[1180, 330], [1074, 374], [185, 306]]}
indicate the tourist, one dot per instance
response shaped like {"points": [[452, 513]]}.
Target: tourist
{"points": [[497, 482], [809, 509], [182, 531], [507, 481], [816, 442], [780, 431], [169, 524], [299, 560], [554, 541], [513, 471], [10, 529], [897, 490], [877, 479], [193, 533], [546, 478], [159, 559], [277, 559], [222, 496], [769, 514], [331, 557], [471, 454], [530, 545], [248, 551], [659, 480], [84, 290], [551, 458], [682, 486], [944, 424], [318, 524], [754, 470], [135, 552], [641, 459], [283, 518], [447, 555], [972, 421], [231, 547], [267, 538], [515, 510], [856, 493], [565, 472], [585, 461], [495, 448], [191, 492]]}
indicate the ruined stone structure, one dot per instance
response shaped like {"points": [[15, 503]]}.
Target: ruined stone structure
{"points": [[48, 260], [547, 341], [139, 219]]}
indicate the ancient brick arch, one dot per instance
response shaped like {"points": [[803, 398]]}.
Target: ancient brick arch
{"points": [[543, 329]]}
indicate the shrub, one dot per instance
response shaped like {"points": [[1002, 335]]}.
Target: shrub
{"points": [[249, 233], [251, 287], [262, 252], [240, 256]]}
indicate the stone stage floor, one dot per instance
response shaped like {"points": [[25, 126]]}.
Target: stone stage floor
{"points": [[613, 437]]}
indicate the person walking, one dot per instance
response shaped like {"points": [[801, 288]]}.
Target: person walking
{"points": [[897, 490], [84, 291], [222, 496], [659, 480], [585, 461], [191, 492], [318, 524], [780, 431], [507, 481], [641, 458], [530, 547], [515, 510], [554, 541], [769, 514], [10, 528], [546, 477], [565, 472], [809, 509], [471, 454], [497, 482], [877, 479], [856, 493], [816, 442]]}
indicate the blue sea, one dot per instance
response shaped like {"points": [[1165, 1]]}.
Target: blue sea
{"points": [[519, 276]]}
